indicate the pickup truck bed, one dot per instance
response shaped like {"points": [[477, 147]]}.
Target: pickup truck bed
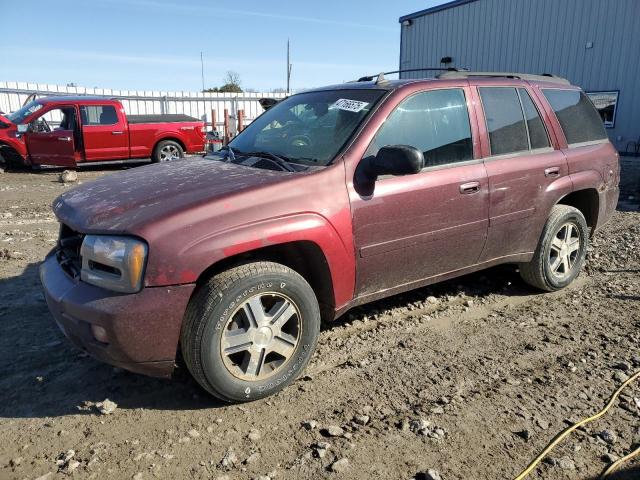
{"points": [[163, 118]]}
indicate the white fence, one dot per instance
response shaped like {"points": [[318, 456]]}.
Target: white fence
{"points": [[135, 102]]}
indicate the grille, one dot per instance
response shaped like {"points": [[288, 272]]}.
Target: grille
{"points": [[68, 251]]}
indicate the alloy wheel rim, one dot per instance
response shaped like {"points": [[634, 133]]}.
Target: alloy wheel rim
{"points": [[260, 336], [564, 250], [169, 152]]}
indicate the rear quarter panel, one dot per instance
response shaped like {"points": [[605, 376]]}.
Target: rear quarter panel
{"points": [[144, 136]]}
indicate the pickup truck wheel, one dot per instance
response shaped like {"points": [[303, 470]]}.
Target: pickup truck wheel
{"points": [[250, 331], [561, 250], [166, 151]]}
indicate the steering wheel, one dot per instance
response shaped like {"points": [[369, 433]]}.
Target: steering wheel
{"points": [[41, 126], [300, 141]]}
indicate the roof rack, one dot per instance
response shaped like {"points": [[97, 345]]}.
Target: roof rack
{"points": [[545, 77], [380, 76]]}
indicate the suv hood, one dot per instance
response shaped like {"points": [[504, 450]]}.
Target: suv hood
{"points": [[128, 200]]}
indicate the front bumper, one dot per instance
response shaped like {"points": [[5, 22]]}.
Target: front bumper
{"points": [[143, 329]]}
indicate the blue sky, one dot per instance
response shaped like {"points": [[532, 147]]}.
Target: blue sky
{"points": [[156, 44]]}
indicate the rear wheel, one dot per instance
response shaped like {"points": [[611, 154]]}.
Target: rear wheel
{"points": [[250, 331], [166, 151], [561, 250]]}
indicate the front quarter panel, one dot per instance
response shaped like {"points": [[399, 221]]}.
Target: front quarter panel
{"points": [[309, 207]]}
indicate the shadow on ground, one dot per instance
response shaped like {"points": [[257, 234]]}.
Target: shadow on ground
{"points": [[45, 376], [630, 473]]}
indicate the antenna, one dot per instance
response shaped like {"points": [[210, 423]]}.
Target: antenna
{"points": [[202, 69], [289, 67]]}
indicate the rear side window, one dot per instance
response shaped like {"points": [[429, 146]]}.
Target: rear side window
{"points": [[578, 117], [98, 115], [537, 133], [435, 122], [505, 121]]}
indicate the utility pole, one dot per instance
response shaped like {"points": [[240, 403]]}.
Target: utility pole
{"points": [[202, 69], [288, 68]]}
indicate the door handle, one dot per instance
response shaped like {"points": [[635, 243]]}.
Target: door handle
{"points": [[552, 172], [117, 133], [470, 187], [64, 139]]}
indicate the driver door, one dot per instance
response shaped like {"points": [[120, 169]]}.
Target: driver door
{"points": [[47, 146], [415, 227]]}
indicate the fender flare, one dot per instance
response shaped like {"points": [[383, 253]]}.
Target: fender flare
{"points": [[199, 255]]}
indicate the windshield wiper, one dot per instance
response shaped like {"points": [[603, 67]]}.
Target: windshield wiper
{"points": [[277, 159]]}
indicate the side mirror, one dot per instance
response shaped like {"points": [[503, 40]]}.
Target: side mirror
{"points": [[395, 160], [23, 128]]}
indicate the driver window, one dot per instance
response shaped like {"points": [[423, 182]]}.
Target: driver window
{"points": [[56, 119], [435, 122]]}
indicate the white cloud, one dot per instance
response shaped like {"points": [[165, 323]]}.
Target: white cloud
{"points": [[218, 12]]}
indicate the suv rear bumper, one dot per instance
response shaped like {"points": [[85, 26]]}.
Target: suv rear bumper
{"points": [[142, 329]]}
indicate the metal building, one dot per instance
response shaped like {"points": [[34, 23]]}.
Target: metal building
{"points": [[593, 43]]}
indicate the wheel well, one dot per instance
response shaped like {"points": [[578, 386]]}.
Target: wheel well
{"points": [[179, 142], [304, 257], [11, 156], [587, 201]]}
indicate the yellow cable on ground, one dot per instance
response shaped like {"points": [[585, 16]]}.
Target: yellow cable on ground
{"points": [[562, 435], [614, 466]]}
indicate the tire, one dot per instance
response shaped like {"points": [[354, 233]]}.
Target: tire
{"points": [[11, 159], [558, 261], [268, 351], [167, 150]]}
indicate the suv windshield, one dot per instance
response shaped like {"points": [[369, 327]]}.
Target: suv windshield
{"points": [[308, 128], [18, 116]]}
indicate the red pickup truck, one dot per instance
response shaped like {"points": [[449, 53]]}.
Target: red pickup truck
{"points": [[93, 129]]}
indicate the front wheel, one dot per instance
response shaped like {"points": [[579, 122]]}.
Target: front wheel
{"points": [[166, 151], [561, 250], [250, 331]]}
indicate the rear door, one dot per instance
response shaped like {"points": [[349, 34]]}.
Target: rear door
{"points": [[104, 133], [418, 226], [50, 138], [522, 165]]}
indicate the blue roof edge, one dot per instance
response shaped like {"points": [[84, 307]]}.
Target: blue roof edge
{"points": [[437, 8]]}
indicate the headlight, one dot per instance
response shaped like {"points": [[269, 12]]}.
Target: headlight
{"points": [[114, 263]]}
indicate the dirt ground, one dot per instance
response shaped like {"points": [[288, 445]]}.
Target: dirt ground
{"points": [[470, 378]]}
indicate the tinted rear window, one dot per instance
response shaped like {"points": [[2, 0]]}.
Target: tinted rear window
{"points": [[537, 133], [578, 117]]}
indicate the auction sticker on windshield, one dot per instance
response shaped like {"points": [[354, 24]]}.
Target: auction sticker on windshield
{"points": [[349, 105]]}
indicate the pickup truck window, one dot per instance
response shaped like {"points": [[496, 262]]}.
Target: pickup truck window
{"points": [[98, 115], [436, 122], [505, 120], [308, 128], [579, 119]]}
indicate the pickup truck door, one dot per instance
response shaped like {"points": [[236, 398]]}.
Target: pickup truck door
{"points": [[104, 132], [414, 227], [53, 146]]}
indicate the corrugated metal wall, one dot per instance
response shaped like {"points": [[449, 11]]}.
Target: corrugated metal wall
{"points": [[196, 104], [536, 36]]}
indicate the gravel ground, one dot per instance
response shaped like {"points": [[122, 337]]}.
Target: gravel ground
{"points": [[468, 379]]}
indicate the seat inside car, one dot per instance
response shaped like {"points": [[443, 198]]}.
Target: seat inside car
{"points": [[108, 116]]}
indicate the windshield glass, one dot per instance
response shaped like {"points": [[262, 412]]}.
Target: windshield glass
{"points": [[308, 128], [18, 116]]}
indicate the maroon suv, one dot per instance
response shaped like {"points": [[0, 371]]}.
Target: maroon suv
{"points": [[331, 198]]}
